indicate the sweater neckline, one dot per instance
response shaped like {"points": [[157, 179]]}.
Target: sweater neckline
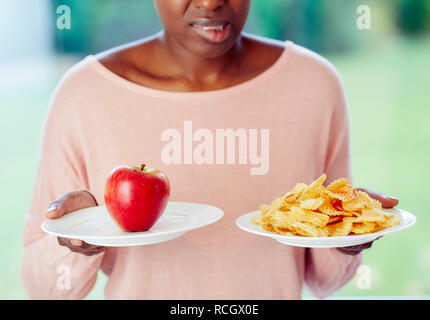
{"points": [[261, 78]]}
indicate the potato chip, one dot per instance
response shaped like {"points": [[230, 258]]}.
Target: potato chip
{"points": [[311, 204], [350, 219], [337, 184], [375, 203], [344, 194], [308, 216], [294, 194], [328, 208], [362, 228], [322, 232], [341, 229], [284, 231], [391, 220], [333, 219], [305, 229], [371, 215], [316, 211], [257, 219], [362, 201], [280, 219], [268, 227], [264, 209], [340, 189], [337, 204], [279, 204], [314, 189]]}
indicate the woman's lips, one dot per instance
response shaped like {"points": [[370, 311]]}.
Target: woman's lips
{"points": [[215, 33]]}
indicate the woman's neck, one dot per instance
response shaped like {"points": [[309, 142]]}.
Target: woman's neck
{"points": [[177, 62]]}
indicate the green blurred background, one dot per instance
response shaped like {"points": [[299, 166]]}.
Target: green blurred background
{"points": [[385, 72]]}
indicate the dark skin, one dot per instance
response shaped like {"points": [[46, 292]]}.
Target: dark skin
{"points": [[180, 59]]}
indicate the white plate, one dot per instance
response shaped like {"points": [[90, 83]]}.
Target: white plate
{"points": [[94, 225], [245, 222]]}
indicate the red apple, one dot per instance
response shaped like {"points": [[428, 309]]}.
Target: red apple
{"points": [[136, 197]]}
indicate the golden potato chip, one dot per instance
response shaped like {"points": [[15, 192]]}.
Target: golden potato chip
{"points": [[279, 204], [316, 211], [308, 216], [333, 219], [337, 204], [350, 219], [340, 189], [264, 209], [337, 184], [361, 201], [268, 227], [371, 215], [294, 194], [314, 189], [375, 203], [391, 220], [339, 229], [322, 232], [362, 228], [305, 229], [344, 194], [311, 204], [327, 208], [262, 219], [280, 219], [284, 231], [257, 219]]}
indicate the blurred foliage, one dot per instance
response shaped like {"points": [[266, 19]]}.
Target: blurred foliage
{"points": [[312, 23], [413, 16], [100, 24], [320, 25]]}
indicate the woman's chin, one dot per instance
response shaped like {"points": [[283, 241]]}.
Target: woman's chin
{"points": [[210, 50]]}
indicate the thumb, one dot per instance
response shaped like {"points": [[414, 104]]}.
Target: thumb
{"points": [[66, 203]]}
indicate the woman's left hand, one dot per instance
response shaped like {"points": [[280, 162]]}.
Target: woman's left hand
{"points": [[387, 202]]}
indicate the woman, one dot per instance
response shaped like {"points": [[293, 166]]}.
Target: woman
{"points": [[201, 72]]}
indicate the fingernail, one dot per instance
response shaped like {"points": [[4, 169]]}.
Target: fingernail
{"points": [[390, 197], [394, 201], [52, 207]]}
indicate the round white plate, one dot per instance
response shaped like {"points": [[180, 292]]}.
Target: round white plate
{"points": [[94, 225], [245, 222]]}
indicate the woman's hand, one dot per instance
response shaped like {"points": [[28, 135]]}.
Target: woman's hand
{"points": [[69, 202], [387, 202]]}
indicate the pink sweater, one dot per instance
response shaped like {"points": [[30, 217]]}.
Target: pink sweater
{"points": [[292, 125]]}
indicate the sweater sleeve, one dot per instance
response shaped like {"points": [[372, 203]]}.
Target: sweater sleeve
{"points": [[50, 271], [327, 270]]}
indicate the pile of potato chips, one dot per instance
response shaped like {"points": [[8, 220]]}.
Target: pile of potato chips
{"points": [[317, 211]]}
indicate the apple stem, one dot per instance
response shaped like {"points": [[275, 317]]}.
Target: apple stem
{"points": [[142, 167]]}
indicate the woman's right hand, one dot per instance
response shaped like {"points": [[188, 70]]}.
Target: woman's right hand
{"points": [[69, 202]]}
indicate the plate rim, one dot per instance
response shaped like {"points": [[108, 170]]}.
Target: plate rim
{"points": [[315, 240], [141, 234]]}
